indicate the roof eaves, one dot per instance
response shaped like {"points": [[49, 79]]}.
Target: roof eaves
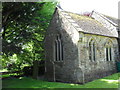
{"points": [[98, 34]]}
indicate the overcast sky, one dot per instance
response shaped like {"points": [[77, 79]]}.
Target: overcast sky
{"points": [[107, 7]]}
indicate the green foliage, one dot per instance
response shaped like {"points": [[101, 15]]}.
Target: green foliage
{"points": [[22, 82], [24, 25]]}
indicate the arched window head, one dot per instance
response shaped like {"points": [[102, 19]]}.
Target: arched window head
{"points": [[92, 50]]}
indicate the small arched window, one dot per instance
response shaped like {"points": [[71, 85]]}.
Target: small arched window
{"points": [[58, 49], [92, 50], [108, 51]]}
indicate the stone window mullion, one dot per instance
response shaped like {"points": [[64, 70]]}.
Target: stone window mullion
{"points": [[94, 51], [107, 54], [58, 49], [110, 52], [90, 51]]}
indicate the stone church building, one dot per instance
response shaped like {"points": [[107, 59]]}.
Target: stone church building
{"points": [[80, 48]]}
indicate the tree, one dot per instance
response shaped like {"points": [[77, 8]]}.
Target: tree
{"points": [[24, 27]]}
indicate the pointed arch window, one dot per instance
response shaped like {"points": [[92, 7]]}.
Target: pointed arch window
{"points": [[108, 51], [58, 49], [92, 50]]}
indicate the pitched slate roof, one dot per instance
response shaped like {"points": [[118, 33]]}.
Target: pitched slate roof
{"points": [[87, 24], [114, 20]]}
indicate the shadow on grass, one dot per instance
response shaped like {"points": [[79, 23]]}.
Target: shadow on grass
{"points": [[24, 82]]}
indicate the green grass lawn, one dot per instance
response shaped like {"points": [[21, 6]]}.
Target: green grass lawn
{"points": [[25, 82]]}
